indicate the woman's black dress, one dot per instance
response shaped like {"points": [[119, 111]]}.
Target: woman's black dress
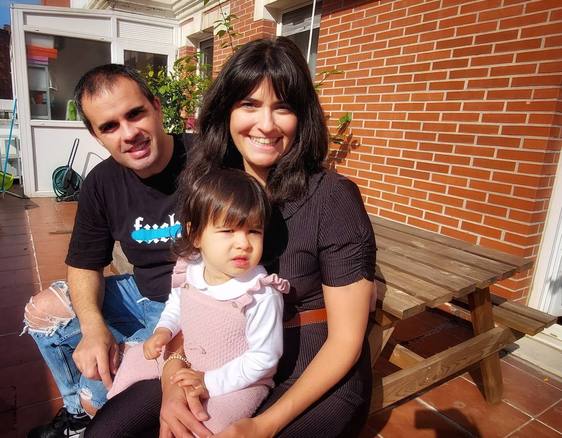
{"points": [[323, 238]]}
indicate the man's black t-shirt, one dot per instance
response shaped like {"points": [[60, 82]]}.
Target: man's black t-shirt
{"points": [[116, 205]]}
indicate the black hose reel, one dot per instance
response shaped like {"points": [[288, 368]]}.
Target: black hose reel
{"points": [[67, 182]]}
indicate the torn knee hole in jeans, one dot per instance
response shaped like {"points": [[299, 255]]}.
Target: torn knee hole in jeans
{"points": [[88, 403], [48, 310], [86, 394]]}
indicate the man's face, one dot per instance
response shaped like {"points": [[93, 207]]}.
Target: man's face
{"points": [[129, 126]]}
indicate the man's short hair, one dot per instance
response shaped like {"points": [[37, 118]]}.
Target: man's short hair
{"points": [[103, 78]]}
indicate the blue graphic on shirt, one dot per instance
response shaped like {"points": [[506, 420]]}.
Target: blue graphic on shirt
{"points": [[156, 233]]}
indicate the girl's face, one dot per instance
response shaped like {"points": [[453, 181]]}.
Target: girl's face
{"points": [[229, 252], [263, 129]]}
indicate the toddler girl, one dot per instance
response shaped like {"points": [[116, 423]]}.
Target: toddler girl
{"points": [[229, 310]]}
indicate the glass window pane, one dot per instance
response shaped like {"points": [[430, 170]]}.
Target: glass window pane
{"points": [[299, 20], [54, 66], [206, 57], [296, 26], [141, 60], [301, 40]]}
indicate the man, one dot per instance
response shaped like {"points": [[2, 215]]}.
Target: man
{"points": [[80, 325]]}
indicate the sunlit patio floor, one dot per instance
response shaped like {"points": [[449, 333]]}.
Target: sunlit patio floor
{"points": [[34, 236]]}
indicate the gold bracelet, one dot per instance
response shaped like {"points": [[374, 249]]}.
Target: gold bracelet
{"points": [[177, 356]]}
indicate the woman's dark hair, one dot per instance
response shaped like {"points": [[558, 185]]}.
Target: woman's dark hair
{"points": [[280, 62], [225, 197]]}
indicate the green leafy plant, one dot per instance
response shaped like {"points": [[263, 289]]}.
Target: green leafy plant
{"points": [[342, 136], [224, 26], [342, 126], [344, 141], [180, 91], [324, 75]]}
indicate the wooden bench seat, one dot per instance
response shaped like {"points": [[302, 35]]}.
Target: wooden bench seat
{"points": [[521, 319], [417, 270], [421, 373]]}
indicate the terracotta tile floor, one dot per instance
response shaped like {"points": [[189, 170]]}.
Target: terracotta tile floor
{"points": [[34, 236]]}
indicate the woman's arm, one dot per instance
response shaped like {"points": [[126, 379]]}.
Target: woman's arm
{"points": [[347, 309], [180, 416]]}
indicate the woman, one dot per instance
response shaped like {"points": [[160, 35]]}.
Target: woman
{"points": [[262, 114]]}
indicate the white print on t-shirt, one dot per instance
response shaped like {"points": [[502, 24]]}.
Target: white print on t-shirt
{"points": [[156, 233]]}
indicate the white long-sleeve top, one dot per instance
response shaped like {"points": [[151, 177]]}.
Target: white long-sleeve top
{"points": [[264, 328]]}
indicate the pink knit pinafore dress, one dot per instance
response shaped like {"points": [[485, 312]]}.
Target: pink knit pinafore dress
{"points": [[214, 334], [205, 318]]}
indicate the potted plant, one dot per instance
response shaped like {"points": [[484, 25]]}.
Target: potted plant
{"points": [[179, 91]]}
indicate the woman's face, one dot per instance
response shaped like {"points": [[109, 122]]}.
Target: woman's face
{"points": [[263, 129]]}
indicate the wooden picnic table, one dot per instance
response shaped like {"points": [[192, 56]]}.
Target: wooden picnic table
{"points": [[416, 270]]}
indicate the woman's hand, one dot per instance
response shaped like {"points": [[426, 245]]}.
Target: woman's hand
{"points": [[181, 416], [192, 381]]}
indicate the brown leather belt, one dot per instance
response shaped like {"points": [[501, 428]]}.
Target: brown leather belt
{"points": [[306, 317]]}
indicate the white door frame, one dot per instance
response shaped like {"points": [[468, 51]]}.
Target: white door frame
{"points": [[549, 259]]}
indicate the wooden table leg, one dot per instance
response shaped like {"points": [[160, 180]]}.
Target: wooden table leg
{"points": [[483, 320], [381, 326], [378, 337]]}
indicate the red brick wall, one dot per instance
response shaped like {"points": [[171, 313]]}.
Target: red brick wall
{"points": [[186, 51], [456, 113], [456, 108]]}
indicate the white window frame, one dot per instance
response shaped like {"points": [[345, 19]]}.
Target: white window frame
{"points": [[275, 9], [545, 288]]}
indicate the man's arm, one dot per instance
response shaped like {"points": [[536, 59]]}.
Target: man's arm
{"points": [[96, 355]]}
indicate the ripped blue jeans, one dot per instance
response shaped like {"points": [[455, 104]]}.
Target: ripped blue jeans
{"points": [[130, 317]]}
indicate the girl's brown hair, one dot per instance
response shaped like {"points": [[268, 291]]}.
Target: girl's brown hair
{"points": [[228, 197]]}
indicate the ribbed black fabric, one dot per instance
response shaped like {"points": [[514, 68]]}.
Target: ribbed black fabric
{"points": [[134, 413], [343, 410], [330, 241]]}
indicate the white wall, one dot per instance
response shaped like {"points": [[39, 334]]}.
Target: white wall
{"points": [[53, 145]]}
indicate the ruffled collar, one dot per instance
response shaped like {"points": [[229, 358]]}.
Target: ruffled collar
{"points": [[232, 289]]}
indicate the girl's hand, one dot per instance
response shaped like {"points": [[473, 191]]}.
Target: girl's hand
{"points": [[152, 347], [192, 381], [245, 428]]}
